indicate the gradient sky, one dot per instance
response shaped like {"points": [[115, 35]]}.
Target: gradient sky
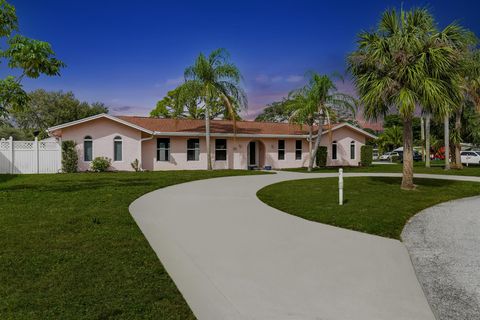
{"points": [[128, 54]]}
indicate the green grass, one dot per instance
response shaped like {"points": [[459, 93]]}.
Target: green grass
{"points": [[70, 249], [372, 204], [419, 167]]}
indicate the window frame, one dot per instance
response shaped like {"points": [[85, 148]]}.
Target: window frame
{"points": [[281, 151], [352, 151], [116, 140], [334, 150], [195, 149], [167, 150], [87, 138], [222, 150], [298, 151]]}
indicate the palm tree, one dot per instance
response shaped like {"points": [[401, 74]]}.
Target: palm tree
{"points": [[391, 138], [404, 64], [470, 83], [212, 78], [316, 103]]}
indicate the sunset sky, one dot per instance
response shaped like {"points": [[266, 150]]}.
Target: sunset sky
{"points": [[129, 54]]}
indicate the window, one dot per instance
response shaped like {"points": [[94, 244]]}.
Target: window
{"points": [[352, 150], [87, 148], [334, 150], [298, 150], [193, 149], [117, 148], [281, 149], [163, 149], [220, 149]]}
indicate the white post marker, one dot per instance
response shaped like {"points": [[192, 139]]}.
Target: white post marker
{"points": [[340, 187]]}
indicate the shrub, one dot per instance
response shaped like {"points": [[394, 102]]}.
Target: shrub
{"points": [[395, 159], [136, 165], [100, 164], [69, 156], [366, 155], [321, 159]]}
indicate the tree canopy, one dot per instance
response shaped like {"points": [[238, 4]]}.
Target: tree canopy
{"points": [[26, 57], [46, 109]]}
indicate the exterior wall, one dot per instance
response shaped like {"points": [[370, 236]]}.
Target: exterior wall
{"points": [[343, 136], [237, 155], [103, 131]]}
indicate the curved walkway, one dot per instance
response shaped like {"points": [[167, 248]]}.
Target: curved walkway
{"points": [[234, 257], [444, 243]]}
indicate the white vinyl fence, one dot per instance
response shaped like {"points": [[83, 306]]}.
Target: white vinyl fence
{"points": [[30, 156]]}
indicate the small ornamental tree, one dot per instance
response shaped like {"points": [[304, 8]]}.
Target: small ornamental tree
{"points": [[69, 157], [366, 155], [321, 158]]}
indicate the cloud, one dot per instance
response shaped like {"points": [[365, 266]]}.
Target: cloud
{"points": [[294, 78], [174, 81], [132, 110], [171, 82]]}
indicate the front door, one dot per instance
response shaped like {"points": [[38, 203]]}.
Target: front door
{"points": [[252, 158]]}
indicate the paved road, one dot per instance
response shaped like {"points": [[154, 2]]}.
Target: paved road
{"points": [[444, 243], [234, 257]]}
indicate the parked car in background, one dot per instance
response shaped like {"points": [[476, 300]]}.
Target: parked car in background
{"points": [[387, 156], [470, 157], [397, 155]]}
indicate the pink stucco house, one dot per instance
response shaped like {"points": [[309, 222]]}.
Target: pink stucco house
{"points": [[179, 144]]}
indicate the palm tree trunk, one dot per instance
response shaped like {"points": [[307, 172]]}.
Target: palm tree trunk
{"points": [[458, 147], [310, 138], [407, 177], [317, 143], [207, 137], [427, 139], [447, 141], [422, 136]]}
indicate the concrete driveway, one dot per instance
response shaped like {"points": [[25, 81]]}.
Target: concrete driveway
{"points": [[234, 257]]}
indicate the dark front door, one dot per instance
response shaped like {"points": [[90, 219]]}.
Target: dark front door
{"points": [[253, 157]]}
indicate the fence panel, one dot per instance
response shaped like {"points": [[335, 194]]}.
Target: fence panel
{"points": [[29, 156]]}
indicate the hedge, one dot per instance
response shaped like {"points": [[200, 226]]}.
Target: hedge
{"points": [[321, 159], [69, 157], [366, 155]]}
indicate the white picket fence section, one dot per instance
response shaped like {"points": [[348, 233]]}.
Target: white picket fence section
{"points": [[30, 156]]}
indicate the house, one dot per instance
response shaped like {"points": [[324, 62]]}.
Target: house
{"points": [[179, 144]]}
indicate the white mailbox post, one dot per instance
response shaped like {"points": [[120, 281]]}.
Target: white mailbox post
{"points": [[340, 186]]}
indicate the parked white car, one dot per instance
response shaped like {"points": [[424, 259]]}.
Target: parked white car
{"points": [[470, 157], [388, 155]]}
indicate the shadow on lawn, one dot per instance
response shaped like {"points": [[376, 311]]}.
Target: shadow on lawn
{"points": [[68, 186], [7, 177], [418, 181]]}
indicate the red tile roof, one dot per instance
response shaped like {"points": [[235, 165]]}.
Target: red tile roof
{"points": [[216, 126]]}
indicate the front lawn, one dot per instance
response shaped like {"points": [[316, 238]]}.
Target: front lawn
{"points": [[419, 167], [372, 204], [70, 249]]}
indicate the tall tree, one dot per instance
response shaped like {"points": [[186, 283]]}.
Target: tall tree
{"points": [[31, 58], [470, 84], [46, 109], [212, 78], [277, 111], [406, 63], [315, 104], [177, 107]]}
